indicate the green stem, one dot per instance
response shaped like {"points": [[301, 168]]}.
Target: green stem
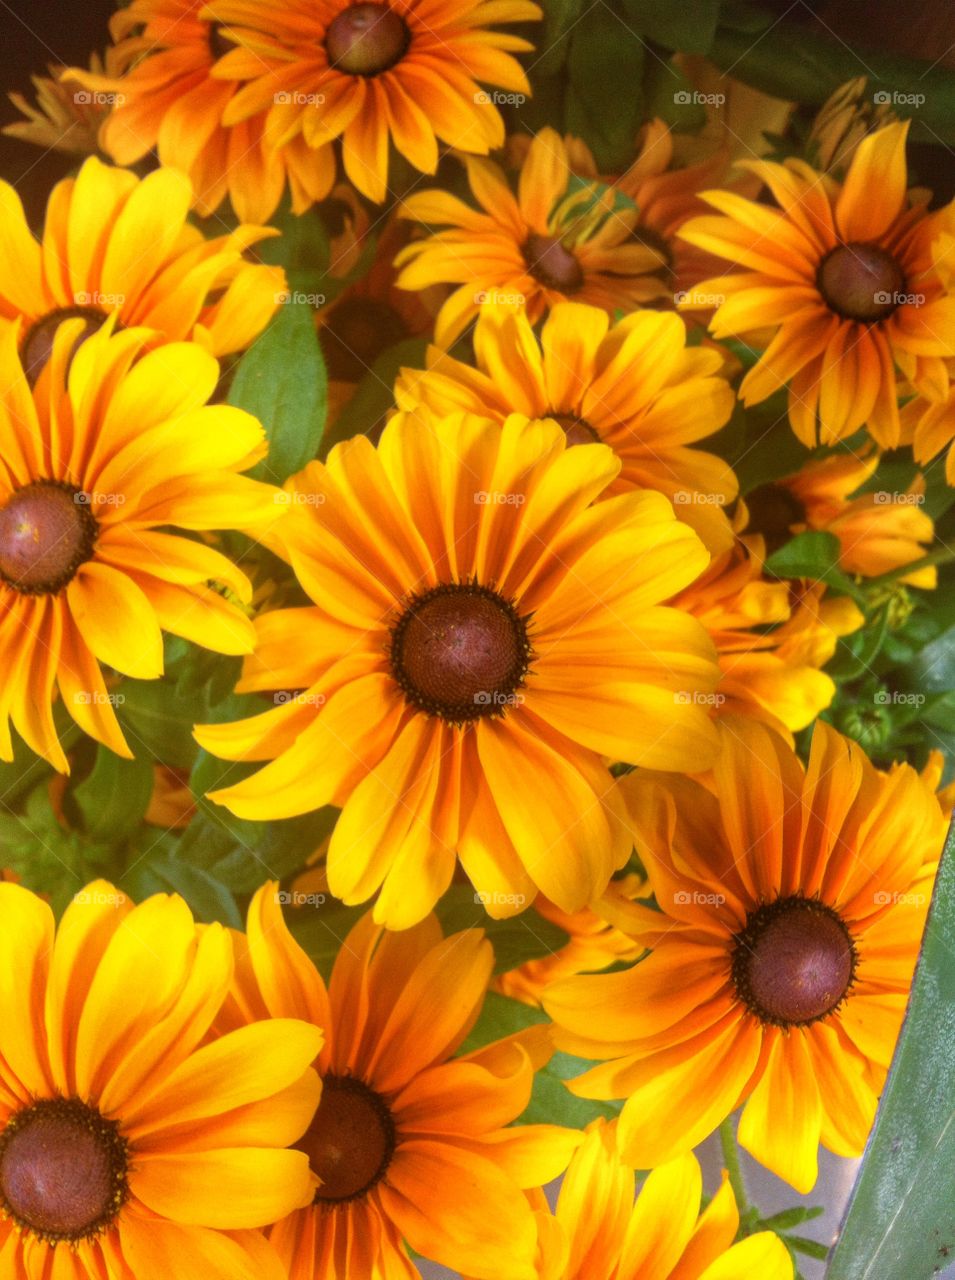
{"points": [[732, 1162], [945, 555]]}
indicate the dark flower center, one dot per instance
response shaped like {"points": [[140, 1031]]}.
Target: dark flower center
{"points": [[773, 510], [37, 345], [366, 39], [350, 1141], [460, 651], [860, 282], [794, 962], [219, 46], [577, 430], [551, 264], [46, 532], [357, 332], [62, 1170]]}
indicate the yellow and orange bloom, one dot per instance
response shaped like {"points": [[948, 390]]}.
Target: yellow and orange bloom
{"points": [[64, 118], [115, 244], [879, 532], [843, 276], [131, 1136], [103, 466], [635, 386], [598, 1231], [792, 903], [168, 98], [553, 241], [464, 681], [847, 116], [411, 1143], [406, 72]]}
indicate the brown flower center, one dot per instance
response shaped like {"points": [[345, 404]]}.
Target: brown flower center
{"points": [[357, 332], [219, 46], [62, 1170], [46, 532], [37, 345], [551, 264], [577, 430], [350, 1141], [773, 510], [460, 651], [366, 39], [860, 282], [794, 962]]}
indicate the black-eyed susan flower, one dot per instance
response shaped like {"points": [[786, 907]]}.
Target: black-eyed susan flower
{"points": [[792, 903], [635, 386], [132, 1139], [557, 239], [166, 96], [599, 1232], [404, 72], [103, 466], [117, 244], [843, 277], [469, 662], [412, 1143], [63, 118]]}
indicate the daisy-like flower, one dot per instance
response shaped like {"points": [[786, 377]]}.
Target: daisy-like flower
{"points": [[598, 1231], [410, 1143], [470, 661], [771, 640], [401, 71], [133, 1144], [843, 276], [847, 116], [168, 98], [792, 904], [98, 466], [115, 243], [635, 386], [63, 119], [555, 240], [878, 532], [592, 945]]}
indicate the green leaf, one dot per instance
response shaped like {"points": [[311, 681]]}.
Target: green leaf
{"points": [[113, 799], [689, 26], [901, 1218], [501, 1017], [560, 16], [158, 721], [816, 556], [605, 65], [281, 380], [208, 899], [933, 669], [374, 398], [811, 1248], [793, 1217], [321, 929], [553, 1103], [520, 938]]}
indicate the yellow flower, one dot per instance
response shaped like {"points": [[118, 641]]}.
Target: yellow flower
{"points": [[171, 99], [410, 1143], [117, 244], [878, 532], [598, 1231], [843, 276], [635, 386], [554, 241], [470, 659], [63, 119], [102, 468], [130, 1138], [847, 116], [406, 72], [792, 904]]}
